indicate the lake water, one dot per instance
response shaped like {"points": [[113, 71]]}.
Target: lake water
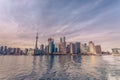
{"points": [[59, 67]]}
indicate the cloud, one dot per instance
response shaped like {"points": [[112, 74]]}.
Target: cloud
{"points": [[76, 19]]}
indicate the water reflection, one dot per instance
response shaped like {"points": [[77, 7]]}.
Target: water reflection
{"points": [[59, 67], [51, 63]]}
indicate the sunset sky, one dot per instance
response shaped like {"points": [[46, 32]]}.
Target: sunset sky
{"points": [[78, 20]]}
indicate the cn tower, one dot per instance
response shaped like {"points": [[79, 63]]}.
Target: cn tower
{"points": [[36, 44]]}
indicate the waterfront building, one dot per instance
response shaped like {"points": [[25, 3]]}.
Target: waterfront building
{"points": [[16, 51], [68, 48], [77, 47], [98, 49], [9, 51], [57, 50], [31, 51], [25, 51], [62, 46], [72, 48], [64, 39], [47, 49], [61, 40], [42, 47], [51, 45], [83, 49], [116, 50], [21, 52], [1, 50], [5, 50], [13, 51], [86, 47], [92, 48], [106, 53]]}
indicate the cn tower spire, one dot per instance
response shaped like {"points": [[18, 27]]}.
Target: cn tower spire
{"points": [[36, 44]]}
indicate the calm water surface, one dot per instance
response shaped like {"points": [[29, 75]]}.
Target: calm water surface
{"points": [[59, 68]]}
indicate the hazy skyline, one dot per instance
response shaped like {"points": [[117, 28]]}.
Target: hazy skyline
{"points": [[78, 20]]}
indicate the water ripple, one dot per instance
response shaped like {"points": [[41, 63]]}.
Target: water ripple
{"points": [[59, 68]]}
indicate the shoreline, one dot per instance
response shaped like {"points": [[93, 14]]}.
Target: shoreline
{"points": [[66, 54]]}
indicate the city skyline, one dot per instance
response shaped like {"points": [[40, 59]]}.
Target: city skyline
{"points": [[61, 48], [78, 20]]}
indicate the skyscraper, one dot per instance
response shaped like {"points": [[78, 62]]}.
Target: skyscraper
{"points": [[42, 47], [60, 40], [98, 49], [72, 48], [86, 47], [64, 39], [56, 47], [77, 47], [62, 46], [92, 48], [51, 45], [47, 49], [82, 49], [68, 48]]}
